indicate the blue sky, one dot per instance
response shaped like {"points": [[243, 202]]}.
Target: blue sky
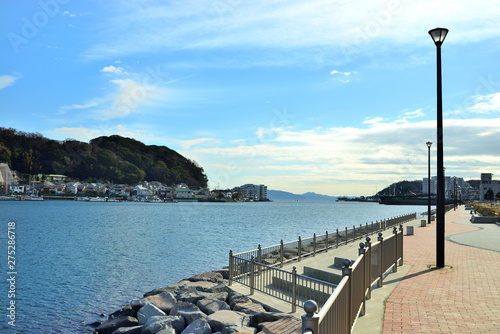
{"points": [[336, 97]]}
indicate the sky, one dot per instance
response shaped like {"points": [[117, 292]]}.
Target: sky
{"points": [[334, 97]]}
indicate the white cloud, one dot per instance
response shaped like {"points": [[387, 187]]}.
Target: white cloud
{"points": [[130, 97], [338, 72], [322, 30], [112, 69], [8, 80], [363, 157], [486, 104], [373, 120]]}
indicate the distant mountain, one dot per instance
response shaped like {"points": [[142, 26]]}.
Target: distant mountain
{"points": [[310, 196]]}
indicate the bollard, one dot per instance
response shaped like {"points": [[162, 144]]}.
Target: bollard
{"points": [[409, 230], [423, 223]]}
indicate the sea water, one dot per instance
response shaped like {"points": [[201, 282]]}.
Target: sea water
{"points": [[71, 263]]}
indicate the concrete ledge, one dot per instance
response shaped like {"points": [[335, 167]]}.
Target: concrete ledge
{"points": [[484, 220]]}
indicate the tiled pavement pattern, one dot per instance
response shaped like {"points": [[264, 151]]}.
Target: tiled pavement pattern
{"points": [[461, 298]]}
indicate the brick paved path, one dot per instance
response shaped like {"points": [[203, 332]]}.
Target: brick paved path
{"points": [[462, 299]]}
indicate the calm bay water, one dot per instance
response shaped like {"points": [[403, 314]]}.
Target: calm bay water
{"points": [[78, 260]]}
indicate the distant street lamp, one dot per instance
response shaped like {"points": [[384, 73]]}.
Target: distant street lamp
{"points": [[438, 35], [429, 143], [454, 193]]}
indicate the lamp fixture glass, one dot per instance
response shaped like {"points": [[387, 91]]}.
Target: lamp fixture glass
{"points": [[438, 35]]}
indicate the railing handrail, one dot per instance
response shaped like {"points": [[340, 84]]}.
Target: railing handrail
{"points": [[313, 322], [392, 221]]}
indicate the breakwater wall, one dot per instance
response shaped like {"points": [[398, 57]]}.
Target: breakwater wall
{"points": [[202, 304]]}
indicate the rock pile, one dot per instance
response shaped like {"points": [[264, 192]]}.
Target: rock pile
{"points": [[202, 304]]}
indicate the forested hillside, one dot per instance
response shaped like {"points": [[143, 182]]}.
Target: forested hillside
{"points": [[114, 159]]}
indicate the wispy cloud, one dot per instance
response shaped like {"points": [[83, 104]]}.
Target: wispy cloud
{"points": [[8, 80], [323, 31], [187, 144]]}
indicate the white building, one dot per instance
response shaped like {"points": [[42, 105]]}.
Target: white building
{"points": [[253, 191], [489, 189]]}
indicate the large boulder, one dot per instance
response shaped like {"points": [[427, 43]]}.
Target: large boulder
{"points": [[230, 322], [199, 285], [126, 310], [129, 330], [248, 307], [237, 298], [210, 306], [110, 326], [189, 311], [156, 324], [199, 326], [193, 296], [164, 301], [148, 311], [207, 277]]}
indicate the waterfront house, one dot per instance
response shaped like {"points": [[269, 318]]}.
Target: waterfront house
{"points": [[184, 193], [17, 189], [72, 187]]}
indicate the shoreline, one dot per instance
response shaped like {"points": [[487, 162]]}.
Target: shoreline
{"points": [[201, 304]]}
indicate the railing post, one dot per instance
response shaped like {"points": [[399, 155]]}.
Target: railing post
{"points": [[294, 289], [314, 244], [338, 236], [353, 233], [395, 232], [368, 252], [361, 251], [259, 258], [346, 239], [282, 251], [347, 271], [231, 268], [360, 231], [402, 248], [326, 248], [380, 259], [310, 320], [300, 248], [252, 261]]}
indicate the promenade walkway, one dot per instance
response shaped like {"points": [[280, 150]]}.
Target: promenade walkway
{"points": [[463, 297]]}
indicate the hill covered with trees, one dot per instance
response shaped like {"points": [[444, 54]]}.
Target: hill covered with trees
{"points": [[113, 159]]}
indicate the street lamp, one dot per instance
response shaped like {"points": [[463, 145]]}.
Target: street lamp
{"points": [[454, 193], [429, 143], [438, 35]]}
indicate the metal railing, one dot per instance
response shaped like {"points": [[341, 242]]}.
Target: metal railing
{"points": [[341, 310], [282, 253], [288, 286]]}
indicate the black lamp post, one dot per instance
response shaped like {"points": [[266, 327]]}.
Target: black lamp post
{"points": [[438, 35], [429, 143]]}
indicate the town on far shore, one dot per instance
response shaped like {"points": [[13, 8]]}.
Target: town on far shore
{"points": [[53, 186]]}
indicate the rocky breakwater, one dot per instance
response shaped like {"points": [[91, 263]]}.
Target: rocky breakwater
{"points": [[202, 304]]}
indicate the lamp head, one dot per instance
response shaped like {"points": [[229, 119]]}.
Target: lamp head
{"points": [[429, 143], [438, 35]]}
